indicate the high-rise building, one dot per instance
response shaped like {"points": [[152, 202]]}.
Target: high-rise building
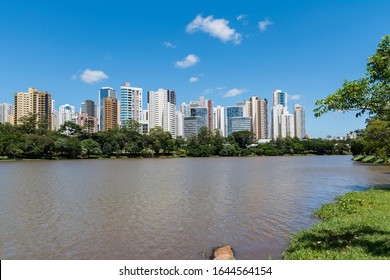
{"points": [[130, 103], [88, 107], [88, 123], [88, 116], [162, 110], [236, 121], [145, 121], [33, 102], [185, 109], [104, 92], [279, 98], [205, 103], [197, 120], [282, 120], [66, 113], [6, 110], [179, 124], [299, 117], [110, 113], [258, 113], [219, 120]]}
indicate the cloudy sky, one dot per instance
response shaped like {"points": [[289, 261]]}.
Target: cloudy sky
{"points": [[226, 51]]}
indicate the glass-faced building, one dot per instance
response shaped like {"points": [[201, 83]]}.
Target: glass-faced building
{"points": [[236, 120]]}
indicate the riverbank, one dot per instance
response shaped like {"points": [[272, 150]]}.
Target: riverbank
{"points": [[371, 159], [6, 159], [355, 227]]}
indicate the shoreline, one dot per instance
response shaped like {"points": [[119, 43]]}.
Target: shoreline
{"points": [[371, 159], [354, 227], [159, 157]]}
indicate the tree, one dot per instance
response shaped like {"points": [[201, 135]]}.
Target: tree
{"points": [[369, 94], [70, 129], [161, 140], [29, 123], [90, 147], [228, 151], [376, 138], [217, 141], [243, 138], [69, 147], [37, 146]]}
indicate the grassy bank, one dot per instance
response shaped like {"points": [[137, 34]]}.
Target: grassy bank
{"points": [[371, 159], [355, 227]]}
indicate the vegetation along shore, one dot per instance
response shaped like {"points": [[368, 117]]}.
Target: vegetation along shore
{"points": [[355, 227], [29, 141]]}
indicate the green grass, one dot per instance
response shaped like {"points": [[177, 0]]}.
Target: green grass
{"points": [[369, 159], [355, 227], [358, 158]]}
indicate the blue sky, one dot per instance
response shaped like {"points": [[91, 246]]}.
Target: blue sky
{"points": [[226, 51]]}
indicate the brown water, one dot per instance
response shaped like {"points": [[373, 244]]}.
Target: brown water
{"points": [[168, 208]]}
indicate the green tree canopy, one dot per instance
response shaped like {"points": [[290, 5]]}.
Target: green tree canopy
{"points": [[370, 94]]}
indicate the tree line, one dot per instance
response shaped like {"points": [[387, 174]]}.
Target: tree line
{"points": [[368, 95], [31, 141]]}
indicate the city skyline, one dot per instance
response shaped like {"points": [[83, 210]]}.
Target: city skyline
{"points": [[248, 48]]}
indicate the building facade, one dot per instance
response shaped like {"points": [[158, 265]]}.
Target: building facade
{"points": [[66, 113], [104, 92], [258, 113], [299, 118], [110, 113], [6, 113], [89, 107], [179, 124], [162, 110], [130, 103], [236, 121], [33, 102], [282, 120], [219, 120], [197, 120]]}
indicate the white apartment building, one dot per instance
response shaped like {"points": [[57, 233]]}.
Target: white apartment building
{"points": [[282, 120], [6, 112], [219, 119], [66, 113], [299, 117], [179, 124], [162, 110]]}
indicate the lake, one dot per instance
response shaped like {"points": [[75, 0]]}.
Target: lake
{"points": [[180, 208]]}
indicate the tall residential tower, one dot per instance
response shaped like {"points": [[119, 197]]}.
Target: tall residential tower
{"points": [[282, 120], [104, 92], [162, 110], [130, 104], [33, 102], [299, 117]]}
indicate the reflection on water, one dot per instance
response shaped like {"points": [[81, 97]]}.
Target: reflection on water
{"points": [[168, 208]]}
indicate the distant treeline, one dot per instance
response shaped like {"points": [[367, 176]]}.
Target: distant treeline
{"points": [[71, 141]]}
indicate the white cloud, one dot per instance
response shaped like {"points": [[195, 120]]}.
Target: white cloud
{"points": [[92, 76], [188, 61], [295, 97], [169, 45], [214, 90], [243, 19], [234, 92], [263, 25], [217, 28], [194, 79]]}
